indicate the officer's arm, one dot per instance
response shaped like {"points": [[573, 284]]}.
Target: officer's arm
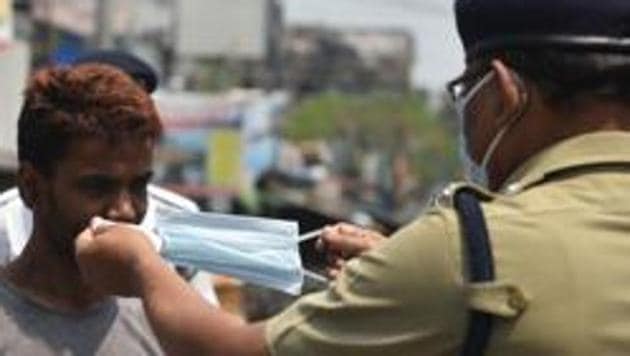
{"points": [[121, 261]]}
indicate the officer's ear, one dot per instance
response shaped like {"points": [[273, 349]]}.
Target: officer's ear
{"points": [[29, 181], [511, 89]]}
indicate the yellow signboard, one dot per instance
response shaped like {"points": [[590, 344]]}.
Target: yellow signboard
{"points": [[4, 9], [224, 159], [6, 20]]}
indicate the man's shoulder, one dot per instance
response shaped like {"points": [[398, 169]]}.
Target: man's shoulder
{"points": [[14, 316], [132, 323], [130, 306], [13, 222], [9, 196], [131, 314], [11, 302], [116, 327]]}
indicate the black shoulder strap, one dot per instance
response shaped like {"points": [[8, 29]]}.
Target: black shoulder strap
{"points": [[480, 265]]}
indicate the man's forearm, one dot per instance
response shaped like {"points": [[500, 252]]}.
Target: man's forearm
{"points": [[185, 324]]}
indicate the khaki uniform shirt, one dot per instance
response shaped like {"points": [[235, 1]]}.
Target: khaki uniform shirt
{"points": [[560, 233]]}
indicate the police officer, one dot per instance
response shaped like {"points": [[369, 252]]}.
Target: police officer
{"points": [[541, 269]]}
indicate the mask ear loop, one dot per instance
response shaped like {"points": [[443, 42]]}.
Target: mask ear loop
{"points": [[524, 107], [463, 103]]}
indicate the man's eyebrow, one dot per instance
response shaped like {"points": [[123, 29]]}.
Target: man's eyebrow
{"points": [[100, 177], [96, 175]]}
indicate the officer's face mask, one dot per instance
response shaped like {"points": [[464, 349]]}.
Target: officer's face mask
{"points": [[256, 250], [475, 172]]}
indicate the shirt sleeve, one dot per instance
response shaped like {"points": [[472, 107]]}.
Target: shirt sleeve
{"points": [[5, 250], [5, 246], [404, 298]]}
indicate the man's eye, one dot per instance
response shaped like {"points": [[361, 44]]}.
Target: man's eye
{"points": [[140, 186], [96, 186]]}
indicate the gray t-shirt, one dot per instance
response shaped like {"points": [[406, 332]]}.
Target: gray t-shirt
{"points": [[116, 327]]}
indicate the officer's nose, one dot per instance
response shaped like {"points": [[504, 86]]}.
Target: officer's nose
{"points": [[122, 209]]}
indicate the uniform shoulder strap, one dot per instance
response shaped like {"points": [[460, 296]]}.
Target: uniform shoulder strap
{"points": [[480, 265]]}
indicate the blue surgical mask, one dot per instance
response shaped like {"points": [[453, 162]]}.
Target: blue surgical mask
{"points": [[256, 250], [474, 172]]}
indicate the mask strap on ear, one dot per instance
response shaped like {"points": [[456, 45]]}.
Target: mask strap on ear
{"points": [[524, 94], [472, 93]]}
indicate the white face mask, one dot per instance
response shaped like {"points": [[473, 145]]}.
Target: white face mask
{"points": [[474, 172], [256, 250]]}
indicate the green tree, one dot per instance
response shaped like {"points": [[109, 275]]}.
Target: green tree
{"points": [[383, 122]]}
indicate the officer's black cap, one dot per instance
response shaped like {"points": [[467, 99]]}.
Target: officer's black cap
{"points": [[593, 25], [135, 67]]}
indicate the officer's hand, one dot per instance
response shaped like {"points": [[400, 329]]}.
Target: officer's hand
{"points": [[111, 258], [342, 242]]}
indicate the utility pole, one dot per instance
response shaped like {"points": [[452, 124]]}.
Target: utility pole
{"points": [[104, 36]]}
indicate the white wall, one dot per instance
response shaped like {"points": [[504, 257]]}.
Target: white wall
{"points": [[14, 62], [6, 20]]}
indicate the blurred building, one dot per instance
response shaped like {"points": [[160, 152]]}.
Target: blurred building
{"points": [[354, 60], [238, 41], [196, 42]]}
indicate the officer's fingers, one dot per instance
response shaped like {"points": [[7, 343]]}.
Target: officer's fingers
{"points": [[339, 263], [349, 230], [336, 267], [332, 273], [347, 245], [348, 240], [341, 229], [320, 244], [334, 260], [374, 237], [329, 239]]}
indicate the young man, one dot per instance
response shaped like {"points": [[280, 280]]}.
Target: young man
{"points": [[16, 220], [86, 136], [545, 108]]}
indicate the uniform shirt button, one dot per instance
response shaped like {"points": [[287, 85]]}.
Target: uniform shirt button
{"points": [[517, 300]]}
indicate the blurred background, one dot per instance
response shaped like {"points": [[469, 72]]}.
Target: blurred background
{"points": [[314, 110]]}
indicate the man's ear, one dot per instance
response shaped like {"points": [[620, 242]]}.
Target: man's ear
{"points": [[511, 89], [29, 182]]}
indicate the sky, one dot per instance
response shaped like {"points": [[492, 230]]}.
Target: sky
{"points": [[438, 51]]}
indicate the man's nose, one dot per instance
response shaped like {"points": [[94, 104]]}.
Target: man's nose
{"points": [[123, 209]]}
